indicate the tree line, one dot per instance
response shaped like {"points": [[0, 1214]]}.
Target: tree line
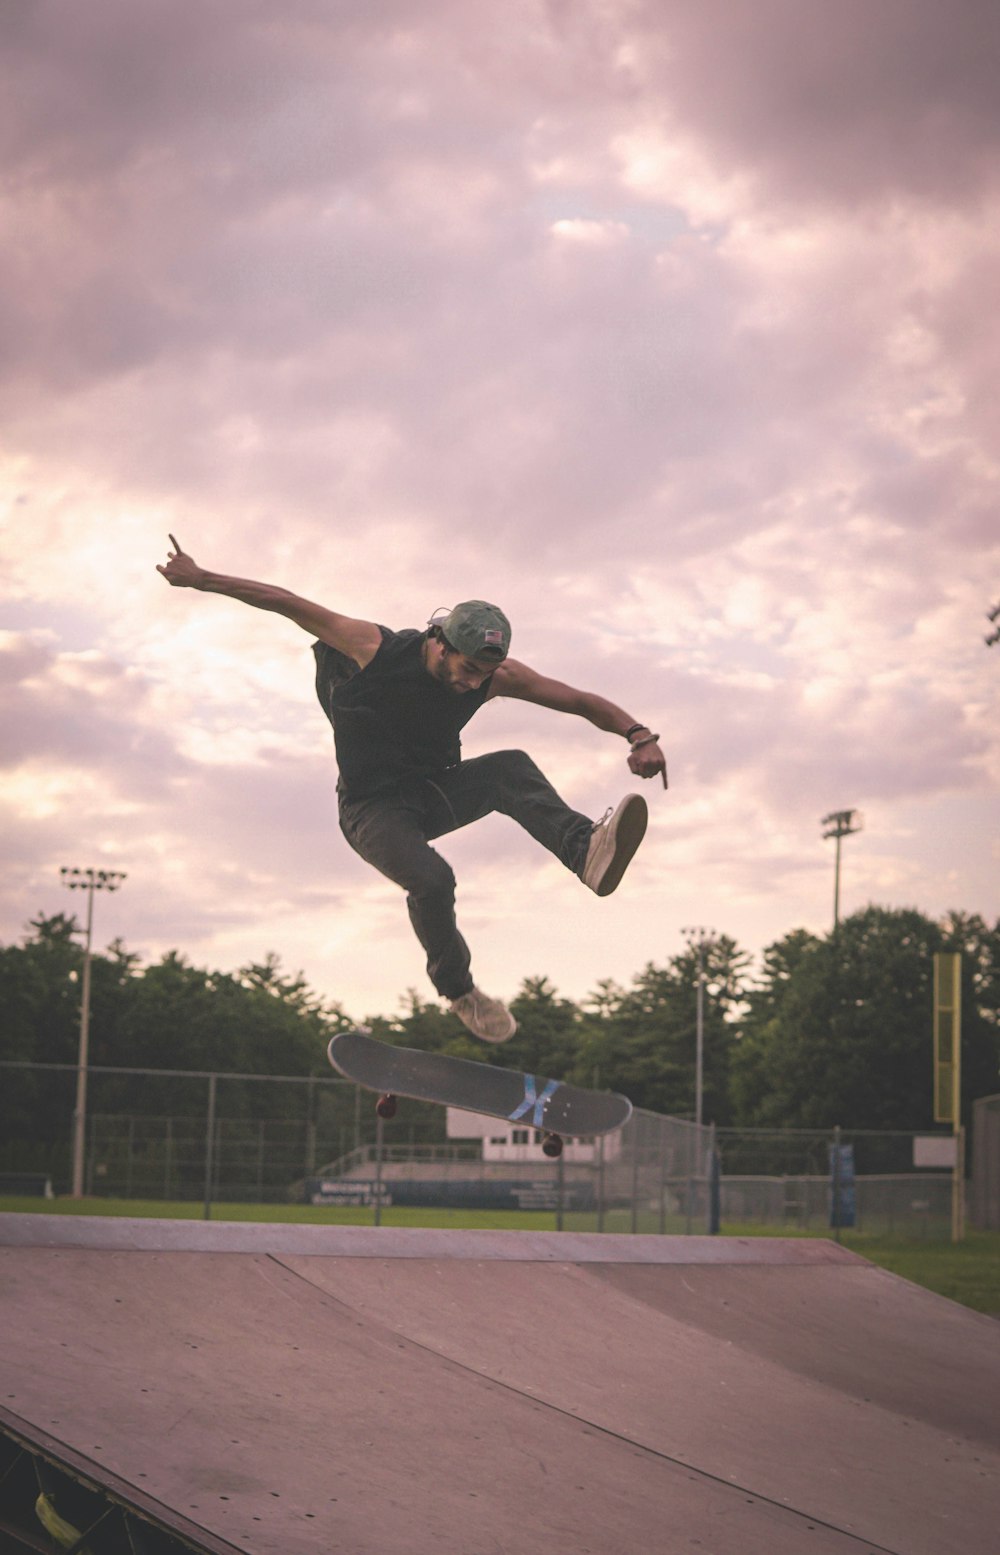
{"points": [[827, 1030]]}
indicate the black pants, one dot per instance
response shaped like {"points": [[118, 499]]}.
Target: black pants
{"points": [[392, 832]]}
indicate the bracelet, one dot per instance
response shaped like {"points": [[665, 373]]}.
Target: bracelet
{"points": [[650, 739], [635, 729]]}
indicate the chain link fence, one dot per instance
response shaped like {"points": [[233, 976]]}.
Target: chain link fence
{"points": [[175, 1134], [182, 1136], [781, 1178], [215, 1139]]}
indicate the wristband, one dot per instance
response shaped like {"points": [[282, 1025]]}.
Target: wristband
{"points": [[650, 739], [635, 729]]}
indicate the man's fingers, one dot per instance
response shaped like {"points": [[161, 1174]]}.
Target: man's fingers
{"points": [[174, 542], [651, 773]]}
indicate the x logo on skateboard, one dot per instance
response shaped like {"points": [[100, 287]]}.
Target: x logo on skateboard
{"points": [[532, 1102]]}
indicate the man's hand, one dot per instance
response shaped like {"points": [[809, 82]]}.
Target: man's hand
{"points": [[181, 570], [647, 760]]}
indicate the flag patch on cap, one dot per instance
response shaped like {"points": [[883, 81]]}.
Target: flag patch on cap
{"points": [[493, 639]]}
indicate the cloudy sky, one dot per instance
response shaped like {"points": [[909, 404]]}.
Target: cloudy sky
{"points": [[673, 327]]}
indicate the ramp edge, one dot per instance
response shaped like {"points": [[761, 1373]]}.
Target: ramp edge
{"points": [[131, 1501], [125, 1234]]}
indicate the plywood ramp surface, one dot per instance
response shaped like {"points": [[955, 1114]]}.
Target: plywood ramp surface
{"points": [[672, 1395]]}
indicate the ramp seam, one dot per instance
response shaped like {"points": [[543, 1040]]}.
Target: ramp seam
{"points": [[868, 1545]]}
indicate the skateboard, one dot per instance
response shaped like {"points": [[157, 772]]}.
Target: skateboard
{"points": [[550, 1106]]}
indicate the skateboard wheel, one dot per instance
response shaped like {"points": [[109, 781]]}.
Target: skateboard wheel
{"points": [[386, 1106], [552, 1145]]}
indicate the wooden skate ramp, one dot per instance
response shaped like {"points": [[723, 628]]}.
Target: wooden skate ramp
{"points": [[381, 1392]]}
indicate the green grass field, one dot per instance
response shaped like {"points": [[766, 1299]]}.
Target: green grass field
{"points": [[967, 1272]]}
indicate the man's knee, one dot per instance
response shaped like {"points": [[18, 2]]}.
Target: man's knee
{"points": [[433, 880], [515, 765]]}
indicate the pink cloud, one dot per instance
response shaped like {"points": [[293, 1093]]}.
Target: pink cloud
{"points": [[369, 303], [847, 104]]}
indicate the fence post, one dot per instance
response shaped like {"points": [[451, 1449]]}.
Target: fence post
{"points": [[690, 1146], [310, 1129], [836, 1183], [209, 1145], [958, 1188], [379, 1132], [168, 1142], [130, 1156], [600, 1183], [663, 1183], [714, 1216], [92, 1157]]}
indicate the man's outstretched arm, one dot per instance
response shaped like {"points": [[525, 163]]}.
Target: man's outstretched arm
{"points": [[645, 759], [360, 640]]}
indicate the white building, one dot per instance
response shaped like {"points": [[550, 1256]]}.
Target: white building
{"points": [[503, 1141]]}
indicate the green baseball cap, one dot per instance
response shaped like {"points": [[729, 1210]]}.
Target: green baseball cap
{"points": [[477, 629]]}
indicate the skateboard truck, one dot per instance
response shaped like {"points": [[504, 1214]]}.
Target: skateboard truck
{"points": [[552, 1145], [386, 1106]]}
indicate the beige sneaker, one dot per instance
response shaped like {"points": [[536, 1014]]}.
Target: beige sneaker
{"points": [[486, 1018], [615, 839]]}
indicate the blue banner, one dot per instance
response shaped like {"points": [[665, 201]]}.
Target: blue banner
{"points": [[843, 1200]]}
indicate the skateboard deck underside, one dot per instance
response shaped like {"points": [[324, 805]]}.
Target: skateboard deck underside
{"points": [[533, 1100]]}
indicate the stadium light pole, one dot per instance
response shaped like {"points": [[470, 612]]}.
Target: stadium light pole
{"points": [[840, 824], [89, 880], [700, 940]]}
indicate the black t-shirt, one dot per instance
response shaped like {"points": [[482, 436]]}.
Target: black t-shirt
{"points": [[392, 720]]}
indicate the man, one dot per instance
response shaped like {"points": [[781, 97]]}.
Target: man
{"points": [[398, 702]]}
